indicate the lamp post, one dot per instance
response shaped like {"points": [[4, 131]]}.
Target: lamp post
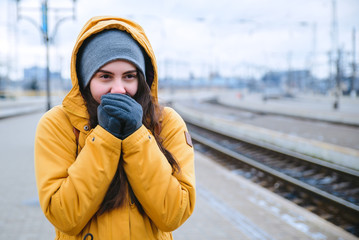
{"points": [[336, 58], [45, 33]]}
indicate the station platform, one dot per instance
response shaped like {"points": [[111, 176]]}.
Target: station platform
{"points": [[308, 106], [20, 105], [228, 206], [315, 107]]}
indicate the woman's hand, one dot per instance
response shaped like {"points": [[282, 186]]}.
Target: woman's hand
{"points": [[119, 114]]}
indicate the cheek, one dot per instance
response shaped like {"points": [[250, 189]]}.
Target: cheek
{"points": [[132, 88], [97, 90]]}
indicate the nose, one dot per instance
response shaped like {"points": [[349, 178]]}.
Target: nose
{"points": [[118, 87]]}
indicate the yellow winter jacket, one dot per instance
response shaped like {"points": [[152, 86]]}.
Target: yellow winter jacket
{"points": [[73, 175]]}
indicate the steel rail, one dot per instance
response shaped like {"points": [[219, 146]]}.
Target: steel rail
{"points": [[343, 204]]}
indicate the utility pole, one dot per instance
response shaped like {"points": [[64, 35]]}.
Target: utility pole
{"points": [[335, 58], [337, 80], [45, 33], [290, 80], [311, 60], [313, 55], [354, 67]]}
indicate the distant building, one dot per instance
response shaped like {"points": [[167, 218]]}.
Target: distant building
{"points": [[349, 84], [35, 79], [299, 79]]}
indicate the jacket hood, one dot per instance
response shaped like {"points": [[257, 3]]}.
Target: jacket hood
{"points": [[74, 103]]}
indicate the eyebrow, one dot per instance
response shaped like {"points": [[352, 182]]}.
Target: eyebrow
{"points": [[131, 71], [108, 72], [104, 71]]}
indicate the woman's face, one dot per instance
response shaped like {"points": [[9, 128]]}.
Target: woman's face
{"points": [[118, 76]]}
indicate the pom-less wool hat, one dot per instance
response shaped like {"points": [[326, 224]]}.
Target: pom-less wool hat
{"points": [[104, 47]]}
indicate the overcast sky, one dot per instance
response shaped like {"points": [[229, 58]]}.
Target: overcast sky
{"points": [[242, 37]]}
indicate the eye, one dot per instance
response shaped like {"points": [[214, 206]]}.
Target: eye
{"points": [[105, 76], [130, 76]]}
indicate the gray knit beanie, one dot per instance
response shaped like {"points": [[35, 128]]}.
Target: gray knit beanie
{"points": [[104, 47]]}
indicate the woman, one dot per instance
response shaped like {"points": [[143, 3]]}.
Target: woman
{"points": [[110, 163]]}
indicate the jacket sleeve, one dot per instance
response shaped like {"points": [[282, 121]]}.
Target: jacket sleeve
{"points": [[72, 188], [168, 198]]}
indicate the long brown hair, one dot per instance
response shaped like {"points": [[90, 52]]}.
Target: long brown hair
{"points": [[119, 189]]}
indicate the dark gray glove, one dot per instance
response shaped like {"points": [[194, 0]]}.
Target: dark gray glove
{"points": [[119, 114]]}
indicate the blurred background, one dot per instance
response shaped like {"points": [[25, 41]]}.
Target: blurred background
{"points": [[275, 81], [277, 46]]}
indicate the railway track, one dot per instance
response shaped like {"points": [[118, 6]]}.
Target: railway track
{"points": [[328, 190]]}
